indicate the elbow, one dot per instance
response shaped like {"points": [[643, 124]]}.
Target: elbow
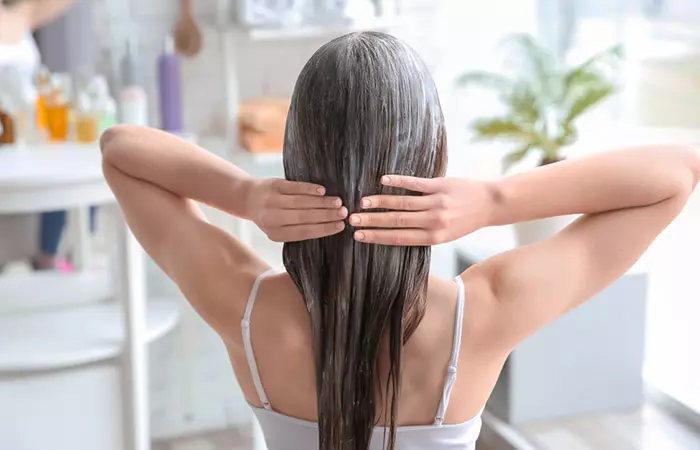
{"points": [[111, 138], [690, 156], [694, 164]]}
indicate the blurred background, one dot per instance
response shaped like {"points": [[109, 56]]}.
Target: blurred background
{"points": [[98, 350]]}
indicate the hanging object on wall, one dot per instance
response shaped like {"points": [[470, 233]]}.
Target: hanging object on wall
{"points": [[273, 12], [188, 38]]}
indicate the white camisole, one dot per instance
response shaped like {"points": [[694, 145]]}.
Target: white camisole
{"points": [[287, 433], [22, 55]]}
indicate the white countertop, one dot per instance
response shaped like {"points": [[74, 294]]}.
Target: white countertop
{"points": [[49, 164]]}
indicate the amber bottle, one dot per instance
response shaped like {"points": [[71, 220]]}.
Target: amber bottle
{"points": [[7, 127]]}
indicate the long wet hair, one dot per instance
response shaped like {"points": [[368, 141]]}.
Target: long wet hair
{"points": [[363, 106]]}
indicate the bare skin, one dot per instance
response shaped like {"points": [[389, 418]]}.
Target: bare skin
{"points": [[626, 197], [27, 16]]}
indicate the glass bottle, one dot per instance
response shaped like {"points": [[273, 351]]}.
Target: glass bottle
{"points": [[7, 126], [43, 86], [87, 121], [58, 108]]}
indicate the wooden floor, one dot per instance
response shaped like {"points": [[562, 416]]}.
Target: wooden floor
{"points": [[647, 429]]}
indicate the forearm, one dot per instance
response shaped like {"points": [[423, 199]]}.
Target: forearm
{"points": [[177, 166], [604, 182], [40, 12]]}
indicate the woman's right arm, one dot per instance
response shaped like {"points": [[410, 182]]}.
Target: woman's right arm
{"points": [[37, 13], [626, 197]]}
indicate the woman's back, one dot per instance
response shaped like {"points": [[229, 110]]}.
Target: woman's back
{"points": [[280, 352]]}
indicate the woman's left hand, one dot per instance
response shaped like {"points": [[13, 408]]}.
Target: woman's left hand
{"points": [[290, 211], [449, 209]]}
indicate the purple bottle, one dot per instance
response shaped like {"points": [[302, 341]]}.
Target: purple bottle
{"points": [[170, 88]]}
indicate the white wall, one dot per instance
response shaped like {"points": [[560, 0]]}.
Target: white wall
{"points": [[264, 68]]}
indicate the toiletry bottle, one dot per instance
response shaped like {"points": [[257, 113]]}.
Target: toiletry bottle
{"points": [[43, 87], [7, 125], [25, 125], [169, 84], [57, 110], [86, 119], [133, 101], [103, 103]]}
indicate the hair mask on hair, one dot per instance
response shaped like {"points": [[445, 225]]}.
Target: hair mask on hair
{"points": [[363, 106]]}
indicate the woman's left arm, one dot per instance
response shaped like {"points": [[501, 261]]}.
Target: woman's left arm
{"points": [[157, 178]]}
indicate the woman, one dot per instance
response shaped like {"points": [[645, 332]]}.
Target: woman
{"points": [[18, 20], [355, 346]]}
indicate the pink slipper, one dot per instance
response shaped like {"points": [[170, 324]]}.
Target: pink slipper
{"points": [[64, 266]]}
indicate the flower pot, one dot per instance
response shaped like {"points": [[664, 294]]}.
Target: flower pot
{"points": [[537, 230]]}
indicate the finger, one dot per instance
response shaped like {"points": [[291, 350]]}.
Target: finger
{"points": [[305, 202], [408, 237], [294, 233], [310, 216], [299, 188], [394, 220], [397, 202], [425, 185]]}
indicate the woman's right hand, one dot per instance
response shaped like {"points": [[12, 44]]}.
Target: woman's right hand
{"points": [[289, 211], [449, 209]]}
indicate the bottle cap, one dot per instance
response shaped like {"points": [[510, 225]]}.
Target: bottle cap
{"points": [[169, 45]]}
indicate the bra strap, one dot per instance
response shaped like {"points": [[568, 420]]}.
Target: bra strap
{"points": [[247, 343], [454, 358]]}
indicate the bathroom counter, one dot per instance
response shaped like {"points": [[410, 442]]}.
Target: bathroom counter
{"points": [[49, 177]]}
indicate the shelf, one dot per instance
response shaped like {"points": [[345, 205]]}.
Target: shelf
{"points": [[318, 31], [39, 291], [72, 337]]}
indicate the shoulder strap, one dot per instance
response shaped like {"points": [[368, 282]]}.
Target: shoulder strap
{"points": [[245, 327], [454, 358]]}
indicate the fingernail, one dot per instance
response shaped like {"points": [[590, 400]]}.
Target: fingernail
{"points": [[339, 226], [386, 179], [355, 220], [342, 212], [359, 235], [320, 190], [365, 203], [337, 202]]}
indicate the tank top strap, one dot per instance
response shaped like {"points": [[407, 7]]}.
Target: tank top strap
{"points": [[454, 358], [247, 343]]}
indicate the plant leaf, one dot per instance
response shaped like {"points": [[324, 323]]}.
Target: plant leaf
{"points": [[538, 62], [523, 104], [516, 156], [589, 98], [590, 70], [489, 80], [499, 127]]}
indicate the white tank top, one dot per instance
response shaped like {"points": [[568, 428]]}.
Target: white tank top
{"points": [[287, 433], [22, 55]]}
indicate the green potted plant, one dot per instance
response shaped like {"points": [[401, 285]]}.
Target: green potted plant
{"points": [[542, 105]]}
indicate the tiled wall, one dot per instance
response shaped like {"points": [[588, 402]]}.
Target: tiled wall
{"points": [[268, 67]]}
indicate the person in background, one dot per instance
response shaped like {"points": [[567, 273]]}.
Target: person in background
{"points": [[18, 20]]}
